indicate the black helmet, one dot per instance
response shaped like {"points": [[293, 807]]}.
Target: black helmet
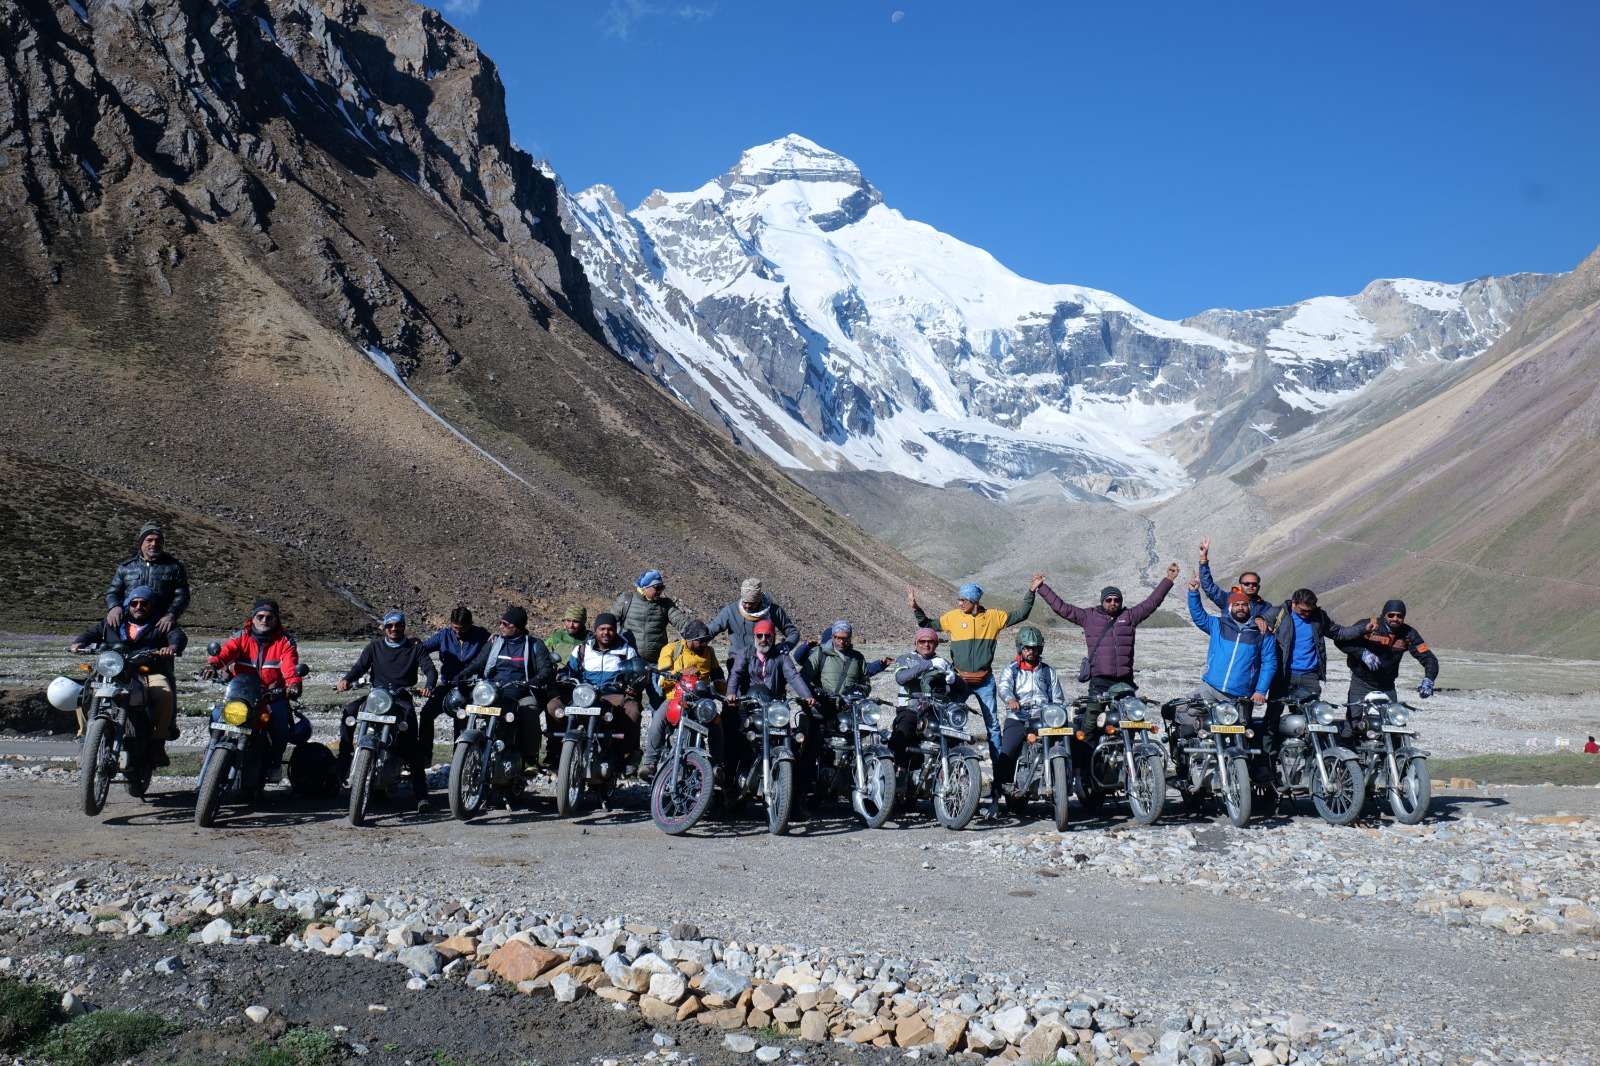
{"points": [[1029, 637], [313, 771]]}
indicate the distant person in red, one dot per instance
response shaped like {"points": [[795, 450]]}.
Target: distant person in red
{"points": [[1591, 748]]}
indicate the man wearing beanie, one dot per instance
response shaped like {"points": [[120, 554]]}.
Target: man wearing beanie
{"points": [[393, 659], [738, 619], [1375, 656], [518, 663], [152, 568], [267, 650], [1108, 631], [645, 611], [137, 631], [973, 630], [574, 630], [598, 661]]}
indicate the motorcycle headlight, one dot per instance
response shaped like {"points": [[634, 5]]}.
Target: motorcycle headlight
{"points": [[583, 695], [706, 711], [957, 717], [1131, 709], [509, 718], [379, 702], [872, 718], [844, 723], [110, 664], [484, 693], [777, 716], [236, 712], [1322, 712], [1054, 716], [1226, 714], [1397, 716]]}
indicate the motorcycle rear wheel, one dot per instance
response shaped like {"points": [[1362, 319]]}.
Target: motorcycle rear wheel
{"points": [[570, 779], [468, 782], [780, 797], [681, 793], [1236, 793], [360, 786], [1347, 792], [876, 803], [1147, 792], [956, 803], [1411, 795], [96, 767], [211, 785], [1061, 791]]}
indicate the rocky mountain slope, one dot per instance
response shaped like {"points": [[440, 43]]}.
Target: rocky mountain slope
{"points": [[787, 300], [274, 270]]}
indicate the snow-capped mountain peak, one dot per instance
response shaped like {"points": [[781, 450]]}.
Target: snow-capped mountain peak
{"points": [[793, 157]]}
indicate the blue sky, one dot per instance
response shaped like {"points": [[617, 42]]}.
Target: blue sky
{"points": [[1183, 156]]}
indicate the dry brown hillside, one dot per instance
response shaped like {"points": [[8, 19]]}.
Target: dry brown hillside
{"points": [[211, 214]]}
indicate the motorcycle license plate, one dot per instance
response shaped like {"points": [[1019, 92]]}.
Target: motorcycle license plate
{"points": [[224, 727], [1055, 731], [1137, 725], [478, 708], [583, 710], [378, 719], [1227, 729]]}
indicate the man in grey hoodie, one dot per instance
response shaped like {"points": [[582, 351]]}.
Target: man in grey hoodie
{"points": [[739, 618]]}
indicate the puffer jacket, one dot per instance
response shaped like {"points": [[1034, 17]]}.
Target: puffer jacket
{"points": [[597, 666], [1240, 660], [165, 576], [647, 620], [1110, 641]]}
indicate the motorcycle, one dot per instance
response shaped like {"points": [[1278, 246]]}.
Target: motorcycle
{"points": [[1311, 762], [1044, 766], [378, 760], [684, 786], [592, 749], [769, 726], [1214, 761], [238, 761], [486, 764], [948, 773], [855, 754], [1380, 732], [1116, 748], [117, 735]]}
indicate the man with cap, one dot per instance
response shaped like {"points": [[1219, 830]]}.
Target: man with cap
{"points": [[1241, 659], [456, 645], [150, 567], [137, 631], [920, 673], [692, 654], [1108, 631], [519, 665], [738, 619], [1249, 584], [973, 630], [1374, 656], [645, 611], [393, 660], [574, 630], [767, 664], [598, 661], [266, 649]]}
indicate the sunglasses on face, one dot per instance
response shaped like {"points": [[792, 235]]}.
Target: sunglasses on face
{"points": [[138, 603], [393, 625], [265, 616], [1250, 584], [1394, 616], [1110, 599]]}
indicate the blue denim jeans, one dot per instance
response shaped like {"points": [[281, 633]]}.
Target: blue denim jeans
{"points": [[986, 704]]}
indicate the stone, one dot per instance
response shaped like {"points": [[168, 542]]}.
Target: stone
{"points": [[421, 959], [1263, 1057], [1203, 1055], [456, 947], [72, 1005], [726, 1018], [912, 1031], [256, 1013], [814, 1026], [739, 1043], [169, 965], [981, 1038], [1299, 1027], [787, 1014], [768, 1053], [318, 933], [1476, 897], [1041, 1043], [615, 994], [686, 951], [948, 1031], [668, 987], [416, 984], [217, 931], [866, 1034], [721, 981], [767, 997], [657, 1011], [623, 975], [689, 1007], [519, 960], [652, 963], [566, 988], [1011, 1024], [1558, 819]]}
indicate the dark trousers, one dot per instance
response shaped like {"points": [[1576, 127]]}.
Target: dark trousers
{"points": [[432, 708], [1011, 743], [1099, 685], [1359, 690], [903, 737]]}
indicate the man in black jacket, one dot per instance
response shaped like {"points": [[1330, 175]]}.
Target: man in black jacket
{"points": [[152, 568], [521, 667], [1374, 656], [393, 660], [137, 631], [1299, 628]]}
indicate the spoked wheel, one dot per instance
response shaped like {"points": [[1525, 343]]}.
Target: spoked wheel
{"points": [[682, 791], [1340, 803], [876, 800], [956, 801], [212, 783], [360, 786], [1060, 791], [1413, 792], [1147, 792], [570, 779], [96, 766], [780, 797], [469, 783], [1236, 793]]}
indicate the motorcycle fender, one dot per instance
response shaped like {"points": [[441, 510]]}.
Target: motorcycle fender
{"points": [[1147, 748], [877, 751], [368, 741], [781, 755], [470, 736], [1338, 751], [964, 751]]}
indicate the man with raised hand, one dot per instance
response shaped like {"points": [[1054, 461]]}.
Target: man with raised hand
{"points": [[1249, 583], [1108, 631]]}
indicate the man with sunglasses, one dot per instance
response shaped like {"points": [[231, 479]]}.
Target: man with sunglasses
{"points": [[1249, 584], [137, 631], [521, 667], [393, 660], [1108, 631], [151, 568], [267, 650], [919, 673], [1375, 654]]}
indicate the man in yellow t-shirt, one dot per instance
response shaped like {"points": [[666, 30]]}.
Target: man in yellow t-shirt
{"points": [[693, 652]]}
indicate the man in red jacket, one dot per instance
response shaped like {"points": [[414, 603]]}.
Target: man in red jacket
{"points": [[267, 650], [1108, 631]]}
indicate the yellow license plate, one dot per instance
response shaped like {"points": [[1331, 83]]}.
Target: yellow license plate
{"points": [[1227, 729], [1055, 731], [1137, 725], [492, 712]]}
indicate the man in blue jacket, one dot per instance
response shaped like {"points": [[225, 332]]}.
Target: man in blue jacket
{"points": [[1242, 658], [1249, 583], [456, 645]]}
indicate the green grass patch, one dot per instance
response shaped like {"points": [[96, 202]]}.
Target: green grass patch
{"points": [[1567, 769], [25, 1012], [445, 1058], [297, 1047], [260, 919], [183, 764], [103, 1037]]}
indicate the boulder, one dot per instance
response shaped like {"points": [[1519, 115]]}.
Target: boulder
{"points": [[668, 987], [1041, 1043], [421, 959], [814, 1026], [518, 960]]}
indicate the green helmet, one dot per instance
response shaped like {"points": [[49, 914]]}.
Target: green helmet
{"points": [[1029, 637]]}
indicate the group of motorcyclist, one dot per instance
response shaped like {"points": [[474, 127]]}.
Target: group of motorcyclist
{"points": [[1257, 650]]}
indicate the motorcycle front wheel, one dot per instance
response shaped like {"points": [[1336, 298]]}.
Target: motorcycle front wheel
{"points": [[875, 802], [1147, 792], [570, 779], [682, 792], [780, 797], [1061, 791], [1236, 792], [96, 766], [211, 786], [1409, 797], [468, 782], [956, 802], [1341, 802], [360, 786]]}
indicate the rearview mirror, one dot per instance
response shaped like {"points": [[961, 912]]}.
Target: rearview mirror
{"points": [[214, 648], [302, 670]]}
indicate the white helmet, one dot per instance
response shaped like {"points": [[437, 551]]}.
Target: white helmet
{"points": [[63, 693]]}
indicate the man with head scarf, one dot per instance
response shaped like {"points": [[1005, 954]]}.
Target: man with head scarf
{"points": [[150, 567], [266, 649], [1108, 631], [136, 629], [973, 630], [1374, 656], [392, 659], [645, 611], [738, 619], [574, 630]]}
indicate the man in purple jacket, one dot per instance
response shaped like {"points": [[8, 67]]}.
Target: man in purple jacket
{"points": [[1108, 630]]}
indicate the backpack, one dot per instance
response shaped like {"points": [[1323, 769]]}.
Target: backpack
{"points": [[313, 771]]}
